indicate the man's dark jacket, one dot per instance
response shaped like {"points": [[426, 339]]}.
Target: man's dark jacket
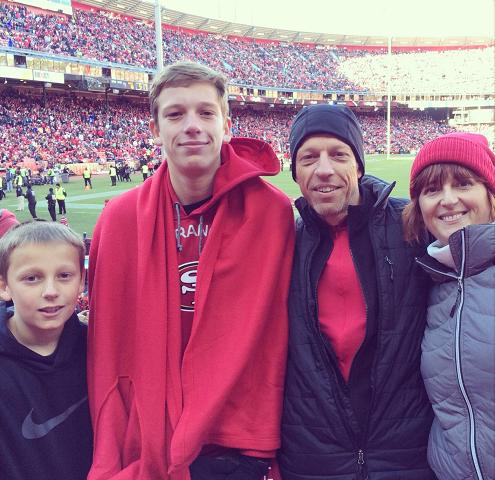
{"points": [[375, 426]]}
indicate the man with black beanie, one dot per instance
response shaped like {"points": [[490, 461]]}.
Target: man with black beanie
{"points": [[355, 406]]}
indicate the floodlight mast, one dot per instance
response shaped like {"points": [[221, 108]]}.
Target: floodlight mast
{"points": [[389, 89], [158, 35]]}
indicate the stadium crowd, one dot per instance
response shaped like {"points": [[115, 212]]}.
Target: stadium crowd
{"points": [[77, 129], [71, 130], [436, 72], [107, 37], [408, 130]]}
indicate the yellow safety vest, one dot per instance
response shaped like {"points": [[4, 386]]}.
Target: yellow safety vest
{"points": [[60, 193]]}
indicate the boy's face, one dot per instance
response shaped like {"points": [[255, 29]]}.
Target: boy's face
{"points": [[44, 281], [191, 129]]}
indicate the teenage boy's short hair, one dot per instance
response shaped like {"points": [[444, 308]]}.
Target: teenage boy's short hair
{"points": [[37, 232], [184, 74]]}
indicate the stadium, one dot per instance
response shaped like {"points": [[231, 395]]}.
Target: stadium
{"points": [[74, 81], [212, 338]]}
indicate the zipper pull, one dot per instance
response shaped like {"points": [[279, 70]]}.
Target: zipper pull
{"points": [[360, 457], [457, 298], [361, 470], [391, 266]]}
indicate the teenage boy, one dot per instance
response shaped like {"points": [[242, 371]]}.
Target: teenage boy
{"points": [[44, 418], [186, 369]]}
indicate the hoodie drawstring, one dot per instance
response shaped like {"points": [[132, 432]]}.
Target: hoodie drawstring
{"points": [[200, 233], [201, 230], [178, 243]]}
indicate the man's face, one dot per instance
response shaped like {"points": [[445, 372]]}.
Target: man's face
{"points": [[327, 173], [191, 129]]}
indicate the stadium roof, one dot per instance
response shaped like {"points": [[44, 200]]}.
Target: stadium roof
{"points": [[144, 10]]}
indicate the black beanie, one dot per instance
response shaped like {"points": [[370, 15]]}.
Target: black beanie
{"points": [[337, 120]]}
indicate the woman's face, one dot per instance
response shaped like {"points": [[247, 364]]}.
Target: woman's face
{"points": [[455, 204]]}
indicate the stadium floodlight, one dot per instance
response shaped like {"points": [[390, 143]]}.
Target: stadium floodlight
{"points": [[158, 35]]}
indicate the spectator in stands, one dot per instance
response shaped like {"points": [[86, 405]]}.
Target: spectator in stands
{"points": [[80, 129], [182, 322], [355, 404], [110, 37]]}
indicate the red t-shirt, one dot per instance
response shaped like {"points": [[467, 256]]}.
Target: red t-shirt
{"points": [[341, 304], [192, 239]]}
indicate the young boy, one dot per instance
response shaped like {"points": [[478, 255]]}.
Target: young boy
{"points": [[45, 429]]}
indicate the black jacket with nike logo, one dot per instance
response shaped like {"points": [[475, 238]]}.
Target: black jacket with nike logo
{"points": [[45, 428]]}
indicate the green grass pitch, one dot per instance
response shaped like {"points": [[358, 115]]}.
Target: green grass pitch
{"points": [[84, 206]]}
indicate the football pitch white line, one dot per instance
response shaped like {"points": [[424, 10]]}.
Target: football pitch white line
{"points": [[69, 205]]}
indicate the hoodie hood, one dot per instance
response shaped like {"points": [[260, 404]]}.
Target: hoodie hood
{"points": [[70, 344], [241, 160], [7, 221]]}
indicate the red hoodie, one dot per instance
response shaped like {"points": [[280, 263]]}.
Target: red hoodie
{"points": [[228, 390]]}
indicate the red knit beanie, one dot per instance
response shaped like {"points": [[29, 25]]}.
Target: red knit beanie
{"points": [[7, 221], [467, 149]]}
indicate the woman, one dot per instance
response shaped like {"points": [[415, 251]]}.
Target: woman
{"points": [[453, 198]]}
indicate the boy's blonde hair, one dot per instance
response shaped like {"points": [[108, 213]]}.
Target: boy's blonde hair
{"points": [[184, 74], [37, 232]]}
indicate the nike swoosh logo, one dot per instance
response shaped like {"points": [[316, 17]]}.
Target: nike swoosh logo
{"points": [[32, 430]]}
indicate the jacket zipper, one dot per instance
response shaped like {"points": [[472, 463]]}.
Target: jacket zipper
{"points": [[328, 356], [326, 353], [361, 468], [460, 380], [457, 311], [364, 434]]}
